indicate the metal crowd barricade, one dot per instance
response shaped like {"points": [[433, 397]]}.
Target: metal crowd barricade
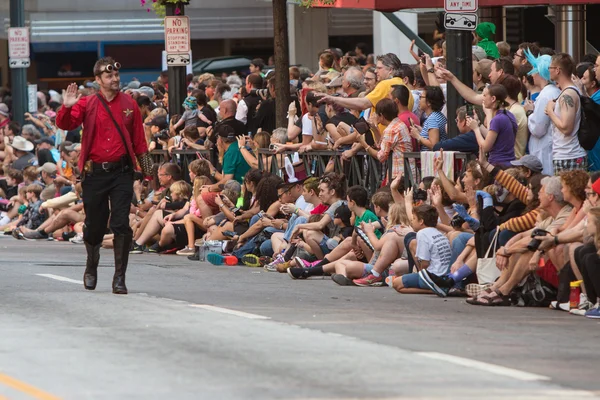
{"points": [[361, 169]]}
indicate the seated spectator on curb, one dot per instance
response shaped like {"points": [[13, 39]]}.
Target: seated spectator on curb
{"points": [[353, 247], [21, 153], [428, 250], [33, 217], [516, 260]]}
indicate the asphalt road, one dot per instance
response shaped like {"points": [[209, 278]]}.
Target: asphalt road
{"points": [[195, 331]]}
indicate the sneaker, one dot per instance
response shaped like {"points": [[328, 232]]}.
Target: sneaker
{"points": [[297, 273], [300, 262], [77, 239], [594, 313], [17, 234], [475, 289], [251, 260], [442, 281], [195, 257], [342, 280], [218, 259], [370, 280], [272, 266], [35, 235], [431, 285], [186, 251], [555, 305], [264, 260], [457, 292], [155, 248], [136, 249]]}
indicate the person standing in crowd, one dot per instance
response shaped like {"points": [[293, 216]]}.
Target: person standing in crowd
{"points": [[483, 33], [565, 114], [114, 136], [246, 108], [540, 126]]}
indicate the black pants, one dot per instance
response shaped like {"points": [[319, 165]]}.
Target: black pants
{"points": [[588, 261], [107, 194]]}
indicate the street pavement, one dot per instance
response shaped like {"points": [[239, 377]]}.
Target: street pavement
{"points": [[191, 330]]}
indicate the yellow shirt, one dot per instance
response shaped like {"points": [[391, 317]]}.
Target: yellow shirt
{"points": [[382, 91]]}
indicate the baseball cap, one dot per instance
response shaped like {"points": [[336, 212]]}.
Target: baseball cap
{"points": [[48, 168], [596, 186], [529, 161], [3, 109], [73, 147], [343, 213], [335, 83], [46, 140], [226, 131], [160, 122], [479, 53]]}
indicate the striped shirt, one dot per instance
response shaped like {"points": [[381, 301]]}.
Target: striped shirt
{"points": [[396, 141], [435, 120], [526, 221]]}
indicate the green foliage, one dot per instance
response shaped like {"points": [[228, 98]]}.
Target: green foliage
{"points": [[313, 3]]}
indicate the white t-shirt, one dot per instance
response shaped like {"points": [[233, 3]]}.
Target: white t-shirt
{"points": [[540, 127], [303, 205], [567, 147], [434, 247], [307, 125], [241, 113]]}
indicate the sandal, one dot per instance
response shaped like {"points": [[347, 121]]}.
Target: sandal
{"points": [[474, 300], [499, 300]]}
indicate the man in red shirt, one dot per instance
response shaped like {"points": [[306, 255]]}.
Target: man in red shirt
{"points": [[113, 135]]}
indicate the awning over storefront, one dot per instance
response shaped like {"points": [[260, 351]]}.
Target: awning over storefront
{"points": [[395, 5]]}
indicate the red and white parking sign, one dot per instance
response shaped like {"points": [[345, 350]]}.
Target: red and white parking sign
{"points": [[18, 42], [177, 34]]}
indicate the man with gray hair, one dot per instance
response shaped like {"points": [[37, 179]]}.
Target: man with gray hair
{"points": [[388, 70], [279, 135], [30, 132], [520, 256], [352, 82]]}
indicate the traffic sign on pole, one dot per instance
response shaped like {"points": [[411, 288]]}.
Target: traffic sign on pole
{"points": [[177, 34], [18, 42], [463, 21], [460, 6]]}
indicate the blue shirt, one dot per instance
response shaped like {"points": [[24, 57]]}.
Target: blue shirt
{"points": [[435, 120]]}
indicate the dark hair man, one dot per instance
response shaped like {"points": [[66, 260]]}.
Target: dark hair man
{"points": [[114, 136]]}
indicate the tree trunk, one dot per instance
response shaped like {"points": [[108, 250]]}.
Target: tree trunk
{"points": [[282, 62]]}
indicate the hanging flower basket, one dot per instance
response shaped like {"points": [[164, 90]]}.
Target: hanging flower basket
{"points": [[159, 6]]}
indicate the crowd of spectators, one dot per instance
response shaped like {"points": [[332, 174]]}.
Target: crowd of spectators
{"points": [[516, 228]]}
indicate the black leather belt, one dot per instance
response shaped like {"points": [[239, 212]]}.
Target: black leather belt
{"points": [[109, 166]]}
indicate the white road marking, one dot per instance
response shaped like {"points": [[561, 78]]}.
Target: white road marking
{"points": [[483, 366], [228, 311], [60, 278]]}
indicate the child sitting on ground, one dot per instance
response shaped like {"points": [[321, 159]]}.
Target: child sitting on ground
{"points": [[431, 252]]}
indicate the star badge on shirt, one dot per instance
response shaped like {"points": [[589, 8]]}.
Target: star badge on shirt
{"points": [[127, 112]]}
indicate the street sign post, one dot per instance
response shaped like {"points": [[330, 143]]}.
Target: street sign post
{"points": [[18, 47], [460, 6], [177, 34], [462, 21], [177, 47], [460, 17]]}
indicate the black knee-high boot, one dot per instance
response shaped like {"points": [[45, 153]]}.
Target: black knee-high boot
{"points": [[121, 248]]}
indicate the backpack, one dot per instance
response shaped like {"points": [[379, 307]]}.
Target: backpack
{"points": [[533, 292], [589, 129]]}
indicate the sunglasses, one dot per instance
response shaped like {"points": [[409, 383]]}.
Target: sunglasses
{"points": [[110, 68]]}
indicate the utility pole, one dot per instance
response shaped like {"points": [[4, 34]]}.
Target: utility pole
{"points": [[282, 62], [177, 86], [18, 81], [460, 61]]}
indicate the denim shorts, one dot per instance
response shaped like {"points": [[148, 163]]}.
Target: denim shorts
{"points": [[414, 281], [323, 245]]}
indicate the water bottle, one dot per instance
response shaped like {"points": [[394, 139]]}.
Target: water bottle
{"points": [[313, 168], [574, 295]]}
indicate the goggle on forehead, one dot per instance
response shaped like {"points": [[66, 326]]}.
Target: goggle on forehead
{"points": [[110, 68]]}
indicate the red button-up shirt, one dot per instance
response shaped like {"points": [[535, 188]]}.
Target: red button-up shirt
{"points": [[101, 141]]}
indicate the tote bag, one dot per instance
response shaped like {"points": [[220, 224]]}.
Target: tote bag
{"points": [[487, 271]]}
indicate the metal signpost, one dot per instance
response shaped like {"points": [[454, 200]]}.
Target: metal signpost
{"points": [[18, 53], [460, 20], [178, 47]]}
